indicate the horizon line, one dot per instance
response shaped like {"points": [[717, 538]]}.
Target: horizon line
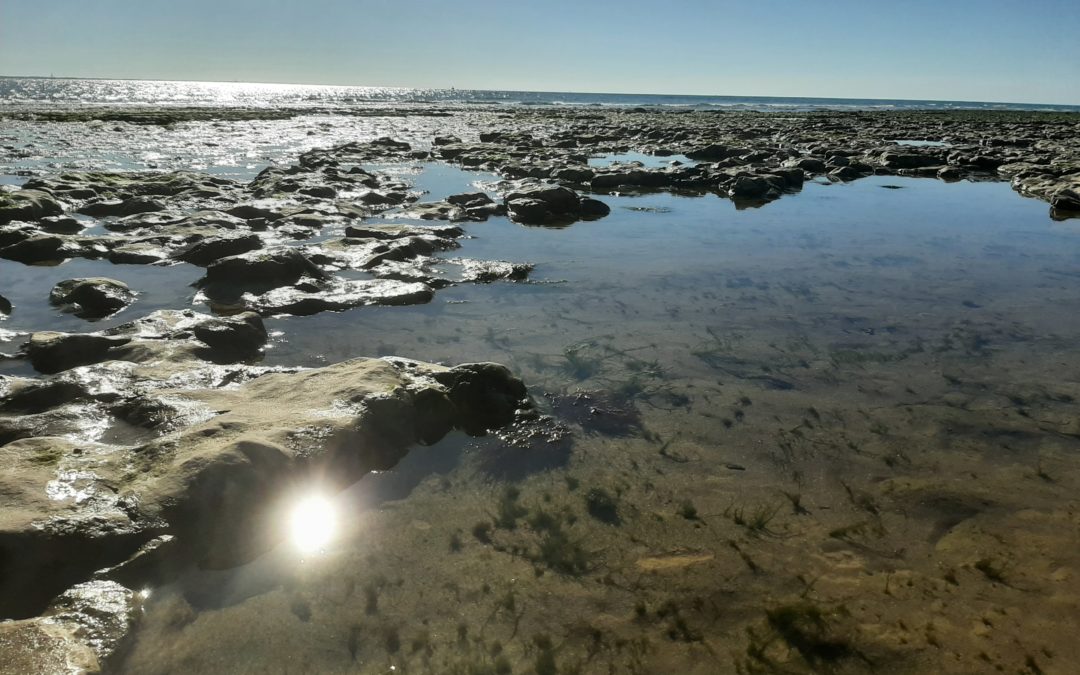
{"points": [[538, 91]]}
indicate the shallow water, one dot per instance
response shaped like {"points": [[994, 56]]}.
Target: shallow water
{"points": [[855, 388]]}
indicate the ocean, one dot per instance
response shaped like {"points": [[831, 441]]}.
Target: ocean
{"points": [[36, 91]]}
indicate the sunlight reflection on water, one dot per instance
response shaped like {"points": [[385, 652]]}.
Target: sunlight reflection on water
{"points": [[312, 524]]}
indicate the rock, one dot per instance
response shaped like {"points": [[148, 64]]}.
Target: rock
{"points": [[551, 205], [337, 295], [811, 164], [469, 199], [711, 153], [28, 205], [5, 306], [220, 484], [92, 298], [240, 334], [591, 209], [78, 632], [143, 253], [1066, 199], [749, 187], [121, 207], [486, 271], [61, 225], [51, 352], [206, 251], [486, 395], [896, 160], [392, 231], [37, 249], [270, 268]]}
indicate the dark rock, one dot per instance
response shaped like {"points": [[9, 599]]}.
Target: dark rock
{"points": [[5, 306], [712, 153], [486, 395], [269, 268], [896, 160], [28, 205], [551, 205], [591, 209], [36, 249], [1066, 199], [93, 297], [206, 251], [250, 211], [51, 352], [240, 334], [61, 225], [749, 187], [469, 199], [121, 207]]}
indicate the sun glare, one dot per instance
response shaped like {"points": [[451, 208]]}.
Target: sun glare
{"points": [[312, 524]]}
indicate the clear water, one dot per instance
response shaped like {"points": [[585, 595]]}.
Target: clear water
{"points": [[896, 359]]}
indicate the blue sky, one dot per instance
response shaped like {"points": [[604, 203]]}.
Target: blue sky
{"points": [[1014, 50]]}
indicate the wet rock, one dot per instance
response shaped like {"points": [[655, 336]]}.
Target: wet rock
{"points": [[34, 396], [220, 484], [711, 153], [470, 199], [39, 248], [5, 307], [210, 249], [552, 205], [28, 204], [61, 225], [121, 207], [749, 187], [337, 295], [486, 271], [897, 160], [1066, 199], [486, 395], [142, 253], [52, 352], [79, 631], [393, 231], [240, 334], [92, 298], [268, 268]]}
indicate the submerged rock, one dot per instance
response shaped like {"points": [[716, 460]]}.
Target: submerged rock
{"points": [[79, 631], [92, 298], [218, 484]]}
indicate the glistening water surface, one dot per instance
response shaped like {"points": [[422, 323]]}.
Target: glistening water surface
{"points": [[836, 430]]}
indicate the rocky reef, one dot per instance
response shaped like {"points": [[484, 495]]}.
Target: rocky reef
{"points": [[163, 444]]}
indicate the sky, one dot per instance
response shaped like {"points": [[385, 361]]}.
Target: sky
{"points": [[993, 50]]}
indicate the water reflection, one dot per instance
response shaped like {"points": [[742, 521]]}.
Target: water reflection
{"points": [[312, 524]]}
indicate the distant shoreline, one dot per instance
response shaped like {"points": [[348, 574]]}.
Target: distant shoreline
{"points": [[528, 97]]}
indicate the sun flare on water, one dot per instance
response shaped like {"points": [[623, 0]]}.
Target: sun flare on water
{"points": [[312, 524]]}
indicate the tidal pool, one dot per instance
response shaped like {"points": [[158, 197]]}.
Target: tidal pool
{"points": [[834, 433]]}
